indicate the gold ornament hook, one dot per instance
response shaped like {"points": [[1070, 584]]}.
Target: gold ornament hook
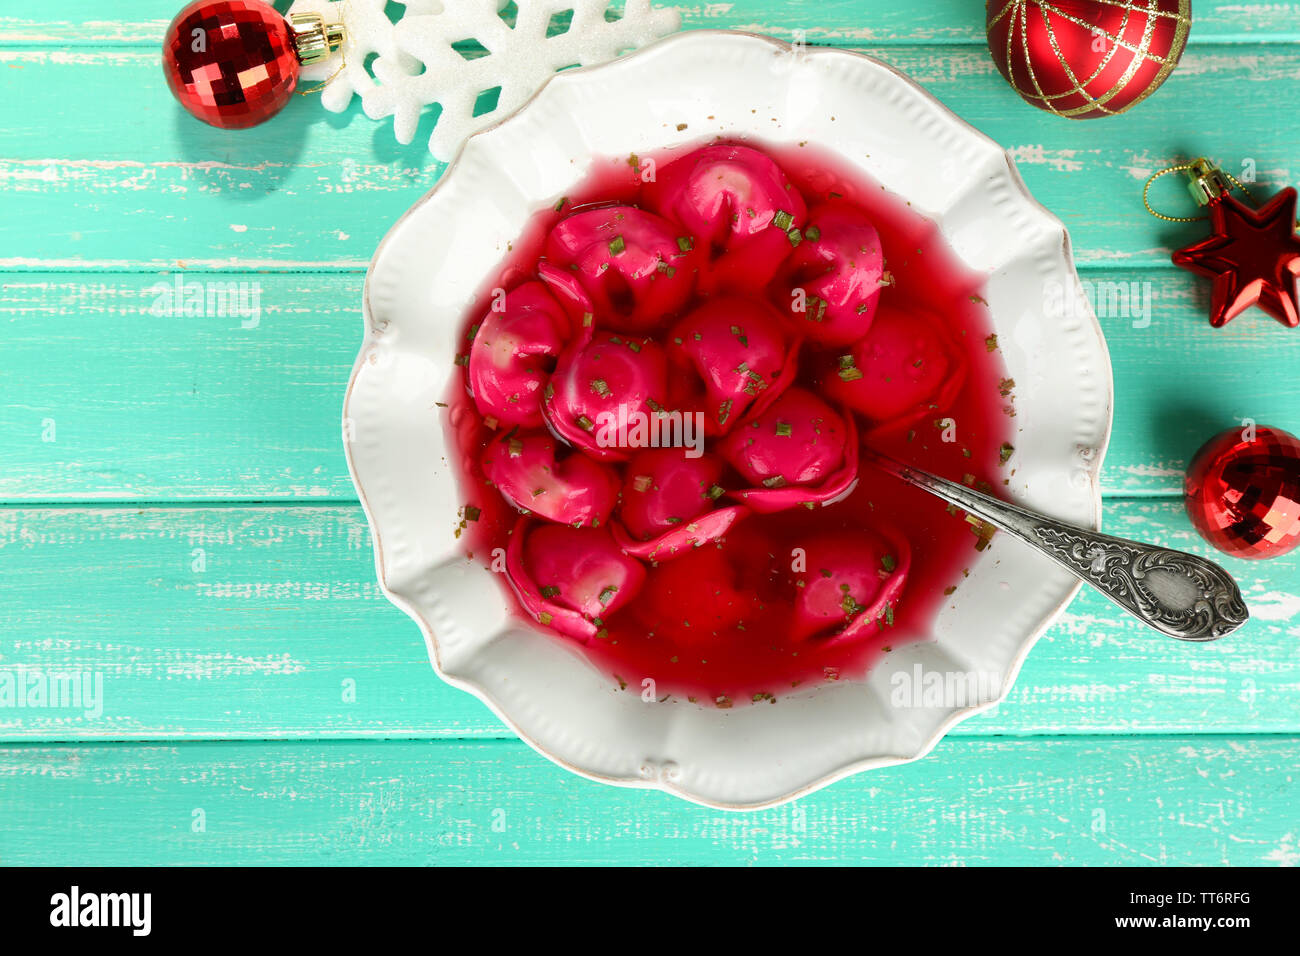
{"points": [[1205, 181], [315, 40]]}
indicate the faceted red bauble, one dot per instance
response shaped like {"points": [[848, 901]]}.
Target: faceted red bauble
{"points": [[1244, 496], [1087, 58], [231, 63]]}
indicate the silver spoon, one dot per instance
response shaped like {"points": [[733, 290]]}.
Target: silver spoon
{"points": [[1179, 594]]}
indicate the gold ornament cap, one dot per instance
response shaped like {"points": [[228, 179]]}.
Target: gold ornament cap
{"points": [[1206, 182], [313, 38]]}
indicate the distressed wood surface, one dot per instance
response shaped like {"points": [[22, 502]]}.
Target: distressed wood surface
{"points": [[267, 622], [176, 518], [1138, 801]]}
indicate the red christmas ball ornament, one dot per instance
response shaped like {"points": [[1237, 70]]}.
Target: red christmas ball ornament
{"points": [[1086, 58], [235, 63], [1243, 492]]}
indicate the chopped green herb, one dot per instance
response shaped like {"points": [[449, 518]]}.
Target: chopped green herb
{"points": [[776, 481], [784, 429], [550, 591], [685, 243], [1005, 452], [783, 220], [599, 386], [813, 233], [616, 246]]}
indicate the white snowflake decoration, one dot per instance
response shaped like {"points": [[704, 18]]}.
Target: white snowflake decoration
{"points": [[400, 69]]}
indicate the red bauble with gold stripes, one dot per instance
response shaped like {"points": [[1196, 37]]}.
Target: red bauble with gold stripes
{"points": [[1087, 58]]}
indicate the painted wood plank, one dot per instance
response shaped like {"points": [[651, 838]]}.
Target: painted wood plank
{"points": [[1101, 802], [315, 190], [141, 22], [258, 622], [103, 399]]}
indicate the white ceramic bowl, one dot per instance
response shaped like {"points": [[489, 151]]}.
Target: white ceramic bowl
{"points": [[431, 263]]}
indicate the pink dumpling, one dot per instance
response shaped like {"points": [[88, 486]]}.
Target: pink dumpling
{"points": [[574, 490], [604, 383], [629, 263], [798, 451], [571, 579], [724, 194], [670, 504], [737, 349], [513, 352], [737, 203], [799, 440], [839, 266], [901, 370], [850, 584], [662, 489]]}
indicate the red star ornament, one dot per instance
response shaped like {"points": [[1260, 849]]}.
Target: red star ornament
{"points": [[1253, 256]]}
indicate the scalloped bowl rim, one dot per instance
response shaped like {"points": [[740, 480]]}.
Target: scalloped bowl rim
{"points": [[1088, 471]]}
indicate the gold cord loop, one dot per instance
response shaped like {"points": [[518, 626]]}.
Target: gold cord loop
{"points": [[1205, 181]]}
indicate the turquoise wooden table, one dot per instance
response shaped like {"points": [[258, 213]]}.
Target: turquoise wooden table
{"points": [[176, 519]]}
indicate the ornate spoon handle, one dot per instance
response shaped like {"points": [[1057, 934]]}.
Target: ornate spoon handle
{"points": [[1179, 594]]}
